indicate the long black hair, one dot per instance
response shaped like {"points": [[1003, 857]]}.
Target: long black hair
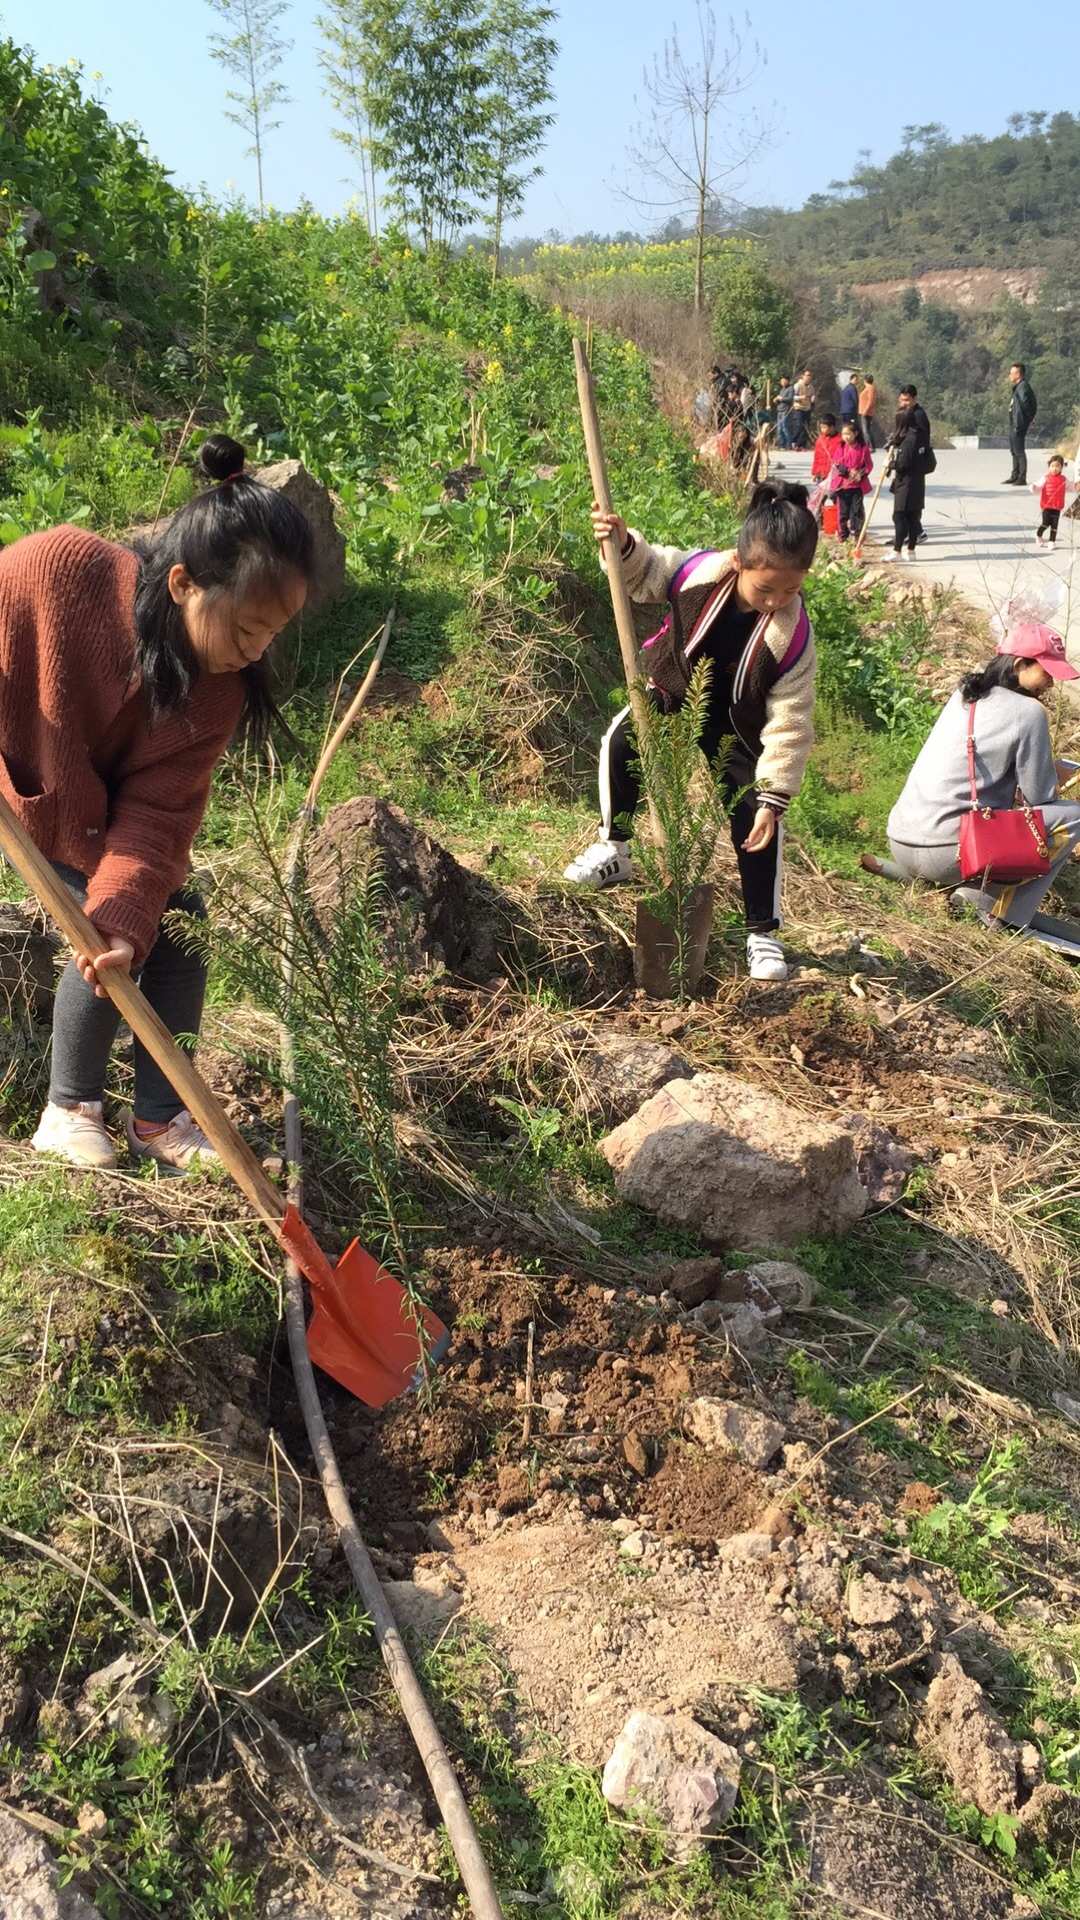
{"points": [[235, 538], [779, 529], [998, 672]]}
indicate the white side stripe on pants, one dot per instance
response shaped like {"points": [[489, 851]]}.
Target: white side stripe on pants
{"points": [[604, 774]]}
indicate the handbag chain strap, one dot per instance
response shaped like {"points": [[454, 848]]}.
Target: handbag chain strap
{"points": [[1043, 849]]}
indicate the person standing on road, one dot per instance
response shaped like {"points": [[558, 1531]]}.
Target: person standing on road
{"points": [[849, 480], [785, 400], [1051, 497], [912, 459], [867, 403], [1022, 410], [849, 400], [803, 409]]}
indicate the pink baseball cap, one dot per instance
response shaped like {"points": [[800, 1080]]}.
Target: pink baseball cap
{"points": [[1032, 641]]}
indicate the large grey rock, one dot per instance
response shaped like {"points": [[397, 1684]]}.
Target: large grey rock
{"points": [[730, 1428], [735, 1164], [969, 1741], [28, 1879], [672, 1768], [291, 478]]}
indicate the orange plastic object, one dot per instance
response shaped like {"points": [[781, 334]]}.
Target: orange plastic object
{"points": [[830, 518], [365, 1330]]}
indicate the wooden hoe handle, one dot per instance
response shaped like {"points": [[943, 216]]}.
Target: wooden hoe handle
{"points": [[83, 937]]}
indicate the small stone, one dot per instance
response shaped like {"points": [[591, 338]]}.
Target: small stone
{"points": [[554, 1405], [723, 1424], [790, 1285], [632, 1546], [669, 1767], [969, 1739], [871, 1603], [273, 1166], [776, 1521], [636, 1453], [693, 1281], [747, 1546], [91, 1821], [623, 1525]]}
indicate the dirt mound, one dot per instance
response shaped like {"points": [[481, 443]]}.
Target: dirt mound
{"points": [[590, 1636], [445, 916]]}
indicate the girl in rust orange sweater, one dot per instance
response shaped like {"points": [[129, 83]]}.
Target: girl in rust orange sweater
{"points": [[124, 673]]}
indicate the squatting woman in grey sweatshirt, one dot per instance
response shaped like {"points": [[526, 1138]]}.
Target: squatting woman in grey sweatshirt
{"points": [[1013, 754]]}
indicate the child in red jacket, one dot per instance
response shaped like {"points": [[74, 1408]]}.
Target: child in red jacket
{"points": [[826, 447], [1052, 497]]}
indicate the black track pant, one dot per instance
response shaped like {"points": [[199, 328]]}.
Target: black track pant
{"points": [[1018, 449], [907, 526], [1050, 518], [850, 513], [620, 791]]}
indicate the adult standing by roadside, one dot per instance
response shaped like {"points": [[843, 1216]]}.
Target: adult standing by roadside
{"points": [[124, 673], [803, 409], [1022, 410], [785, 400], [867, 404], [849, 401], [912, 459]]}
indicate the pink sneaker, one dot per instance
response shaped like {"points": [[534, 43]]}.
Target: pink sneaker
{"points": [[181, 1147], [76, 1134]]}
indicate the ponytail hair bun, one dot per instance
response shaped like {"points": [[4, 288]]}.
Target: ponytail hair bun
{"points": [[221, 457], [779, 529], [768, 491]]}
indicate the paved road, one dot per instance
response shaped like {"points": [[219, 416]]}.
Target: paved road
{"points": [[982, 534]]}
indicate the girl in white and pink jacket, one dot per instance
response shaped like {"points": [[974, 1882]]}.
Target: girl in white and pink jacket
{"points": [[742, 610]]}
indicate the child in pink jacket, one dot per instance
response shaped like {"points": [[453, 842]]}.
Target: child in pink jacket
{"points": [[849, 479]]}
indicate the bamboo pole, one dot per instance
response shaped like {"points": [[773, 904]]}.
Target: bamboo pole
{"points": [[885, 472], [620, 598], [438, 1765]]}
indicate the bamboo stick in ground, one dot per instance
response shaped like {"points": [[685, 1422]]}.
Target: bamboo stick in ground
{"points": [[620, 598], [885, 472]]}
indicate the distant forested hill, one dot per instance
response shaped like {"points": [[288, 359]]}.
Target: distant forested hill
{"points": [[1013, 199]]}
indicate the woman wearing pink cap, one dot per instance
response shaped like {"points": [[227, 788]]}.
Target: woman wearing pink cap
{"points": [[1012, 753]]}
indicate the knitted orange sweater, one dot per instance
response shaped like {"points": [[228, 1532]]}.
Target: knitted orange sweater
{"points": [[94, 784]]}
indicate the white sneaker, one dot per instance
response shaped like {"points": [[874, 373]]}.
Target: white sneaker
{"points": [[908, 553], [606, 863], [765, 957], [76, 1134], [180, 1148]]}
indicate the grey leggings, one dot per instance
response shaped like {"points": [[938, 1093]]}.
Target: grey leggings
{"points": [[1016, 906], [84, 1027]]}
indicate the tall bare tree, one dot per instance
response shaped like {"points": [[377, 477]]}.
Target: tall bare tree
{"points": [[699, 135], [252, 49], [342, 57]]}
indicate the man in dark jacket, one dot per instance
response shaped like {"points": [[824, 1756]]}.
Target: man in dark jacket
{"points": [[911, 459], [1021, 415]]}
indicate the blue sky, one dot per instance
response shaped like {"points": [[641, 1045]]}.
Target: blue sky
{"points": [[833, 83]]}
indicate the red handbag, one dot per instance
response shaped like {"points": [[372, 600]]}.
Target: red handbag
{"points": [[1006, 845]]}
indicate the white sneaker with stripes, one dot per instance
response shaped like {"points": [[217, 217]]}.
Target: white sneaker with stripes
{"points": [[606, 863], [765, 957]]}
